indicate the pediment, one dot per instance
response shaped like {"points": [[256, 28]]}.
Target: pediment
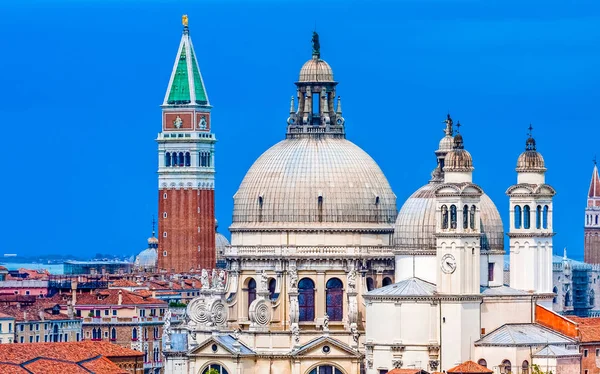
{"points": [[316, 348], [221, 345]]}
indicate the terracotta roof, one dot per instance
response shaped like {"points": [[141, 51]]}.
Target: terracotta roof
{"points": [[470, 367], [32, 312], [60, 358], [107, 297], [124, 283], [405, 371], [4, 315], [589, 328], [74, 351]]}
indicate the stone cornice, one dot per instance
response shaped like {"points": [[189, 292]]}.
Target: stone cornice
{"points": [[531, 235], [431, 298]]}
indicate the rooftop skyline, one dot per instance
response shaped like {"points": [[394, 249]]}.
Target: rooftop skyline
{"points": [[83, 84]]}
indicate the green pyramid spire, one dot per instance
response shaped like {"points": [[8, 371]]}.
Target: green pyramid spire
{"points": [[186, 85]]}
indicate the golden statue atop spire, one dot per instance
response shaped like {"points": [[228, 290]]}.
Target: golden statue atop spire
{"points": [[184, 20]]}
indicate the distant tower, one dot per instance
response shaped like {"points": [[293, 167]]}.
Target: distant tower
{"points": [[531, 230], [186, 202], [592, 221]]}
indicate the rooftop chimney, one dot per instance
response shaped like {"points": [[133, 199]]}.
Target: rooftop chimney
{"points": [[120, 297]]}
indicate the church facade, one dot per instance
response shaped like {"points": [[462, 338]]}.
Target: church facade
{"points": [[324, 276]]}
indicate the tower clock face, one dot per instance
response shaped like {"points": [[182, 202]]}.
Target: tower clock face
{"points": [[448, 263]]}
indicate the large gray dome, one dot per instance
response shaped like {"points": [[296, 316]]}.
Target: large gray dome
{"points": [[314, 181], [415, 226]]}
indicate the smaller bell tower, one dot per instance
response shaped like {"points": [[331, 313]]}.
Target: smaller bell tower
{"points": [[592, 220], [531, 230]]}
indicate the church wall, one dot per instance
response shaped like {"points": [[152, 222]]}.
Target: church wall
{"points": [[496, 312], [400, 328], [498, 272], [408, 266], [460, 322], [494, 357], [571, 365]]}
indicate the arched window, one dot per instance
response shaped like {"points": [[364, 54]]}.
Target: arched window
{"points": [[218, 368], [444, 217], [251, 291], [596, 219], [113, 334], [260, 208], [545, 217], [320, 208], [538, 217], [306, 299], [505, 367], [526, 217], [525, 367], [482, 362], [472, 218], [386, 281], [168, 159], [272, 287], [568, 298], [325, 369], [145, 333], [517, 216], [555, 291], [174, 160], [334, 299], [465, 217], [187, 159], [181, 159], [592, 298], [453, 216], [370, 284], [134, 334], [146, 354]]}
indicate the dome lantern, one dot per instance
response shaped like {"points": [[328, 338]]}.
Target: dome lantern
{"points": [[458, 165], [530, 164], [316, 115]]}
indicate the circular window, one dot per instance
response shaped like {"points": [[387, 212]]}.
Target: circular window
{"points": [[214, 347], [326, 349]]}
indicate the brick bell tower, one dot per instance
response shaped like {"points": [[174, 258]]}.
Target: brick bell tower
{"points": [[186, 171], [591, 247]]}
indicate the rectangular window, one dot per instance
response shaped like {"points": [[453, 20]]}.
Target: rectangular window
{"points": [[316, 103], [31, 338], [106, 312], [585, 371], [21, 327], [37, 338], [490, 272], [37, 327], [597, 352], [114, 312], [585, 353], [45, 338]]}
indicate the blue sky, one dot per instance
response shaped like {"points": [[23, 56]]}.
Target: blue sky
{"points": [[82, 83]]}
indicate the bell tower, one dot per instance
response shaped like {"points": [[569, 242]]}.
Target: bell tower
{"points": [[531, 230], [592, 220], [186, 169]]}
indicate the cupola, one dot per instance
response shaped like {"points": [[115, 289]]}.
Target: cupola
{"points": [[458, 166], [530, 164]]}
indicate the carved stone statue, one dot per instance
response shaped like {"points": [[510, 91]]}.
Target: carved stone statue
{"points": [[214, 279], [296, 333], [204, 279], [167, 322], [316, 45], [354, 332], [264, 281], [352, 281], [293, 277], [326, 322], [221, 280], [236, 333]]}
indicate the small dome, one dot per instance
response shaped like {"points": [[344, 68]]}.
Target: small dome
{"points": [[530, 160], [220, 243], [147, 258], [446, 144], [316, 70], [415, 225], [458, 159], [152, 240]]}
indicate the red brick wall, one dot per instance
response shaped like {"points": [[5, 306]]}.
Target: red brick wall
{"points": [[591, 247], [190, 224]]}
